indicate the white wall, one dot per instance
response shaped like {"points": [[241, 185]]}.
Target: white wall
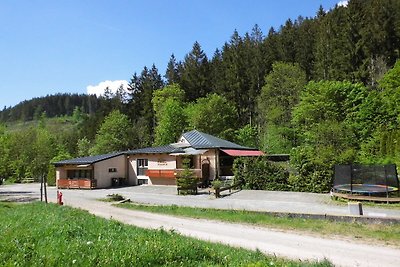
{"points": [[61, 173], [155, 162], [104, 177]]}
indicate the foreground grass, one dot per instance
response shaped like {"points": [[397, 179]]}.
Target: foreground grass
{"points": [[389, 234], [49, 235]]}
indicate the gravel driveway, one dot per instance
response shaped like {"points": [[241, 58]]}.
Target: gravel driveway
{"points": [[280, 243]]}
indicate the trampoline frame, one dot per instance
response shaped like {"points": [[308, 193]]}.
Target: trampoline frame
{"points": [[375, 189]]}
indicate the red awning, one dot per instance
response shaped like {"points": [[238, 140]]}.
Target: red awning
{"points": [[243, 153]]}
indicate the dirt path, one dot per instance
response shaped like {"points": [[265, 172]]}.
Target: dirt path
{"points": [[289, 245]]}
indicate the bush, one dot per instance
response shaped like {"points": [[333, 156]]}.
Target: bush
{"points": [[260, 174], [217, 184], [313, 173], [115, 197]]}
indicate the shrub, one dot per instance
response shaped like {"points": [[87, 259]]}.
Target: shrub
{"points": [[312, 173], [260, 174], [115, 197], [216, 184]]}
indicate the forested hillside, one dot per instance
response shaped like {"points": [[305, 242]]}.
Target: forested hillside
{"points": [[53, 105], [324, 89]]}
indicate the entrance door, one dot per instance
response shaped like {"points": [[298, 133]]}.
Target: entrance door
{"points": [[205, 172]]}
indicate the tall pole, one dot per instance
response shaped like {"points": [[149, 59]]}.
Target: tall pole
{"points": [[351, 178], [41, 188], [45, 188]]}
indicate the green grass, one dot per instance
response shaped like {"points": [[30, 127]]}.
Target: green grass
{"points": [[49, 235], [389, 234]]}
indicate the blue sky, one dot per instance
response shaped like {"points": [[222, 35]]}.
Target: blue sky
{"points": [[57, 46]]}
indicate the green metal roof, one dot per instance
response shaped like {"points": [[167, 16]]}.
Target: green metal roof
{"points": [[87, 160], [199, 140], [196, 140]]}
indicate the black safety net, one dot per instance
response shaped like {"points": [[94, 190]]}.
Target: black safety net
{"points": [[366, 179]]}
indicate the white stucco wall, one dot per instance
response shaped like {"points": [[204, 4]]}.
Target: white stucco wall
{"points": [[61, 173], [103, 176], [155, 162]]}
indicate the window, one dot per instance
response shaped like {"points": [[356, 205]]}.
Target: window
{"points": [[112, 170], [142, 181], [79, 174], [142, 166]]}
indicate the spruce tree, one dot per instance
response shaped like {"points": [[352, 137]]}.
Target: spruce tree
{"points": [[172, 73], [195, 77]]}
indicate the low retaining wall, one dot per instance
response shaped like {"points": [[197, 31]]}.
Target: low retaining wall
{"points": [[337, 218]]}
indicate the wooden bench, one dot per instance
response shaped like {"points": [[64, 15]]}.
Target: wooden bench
{"points": [[217, 191], [192, 189]]}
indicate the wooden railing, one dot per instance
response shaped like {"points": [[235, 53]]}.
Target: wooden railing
{"points": [[76, 183], [217, 191], [161, 173]]}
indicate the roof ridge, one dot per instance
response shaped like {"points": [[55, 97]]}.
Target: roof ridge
{"points": [[199, 139]]}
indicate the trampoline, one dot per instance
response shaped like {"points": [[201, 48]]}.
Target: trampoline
{"points": [[369, 180], [365, 188]]}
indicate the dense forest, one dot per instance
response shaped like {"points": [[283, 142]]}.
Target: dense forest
{"points": [[323, 89]]}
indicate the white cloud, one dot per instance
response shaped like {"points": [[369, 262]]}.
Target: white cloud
{"points": [[112, 85], [343, 3]]}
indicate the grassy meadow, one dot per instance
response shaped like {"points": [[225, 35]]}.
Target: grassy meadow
{"points": [[389, 234], [49, 235]]}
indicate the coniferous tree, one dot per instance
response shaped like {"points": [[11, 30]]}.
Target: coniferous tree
{"points": [[141, 89], [271, 50], [235, 85], [332, 59], [288, 39], [172, 74], [216, 73], [305, 44], [195, 78]]}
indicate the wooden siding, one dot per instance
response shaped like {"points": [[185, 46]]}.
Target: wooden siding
{"points": [[76, 183]]}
